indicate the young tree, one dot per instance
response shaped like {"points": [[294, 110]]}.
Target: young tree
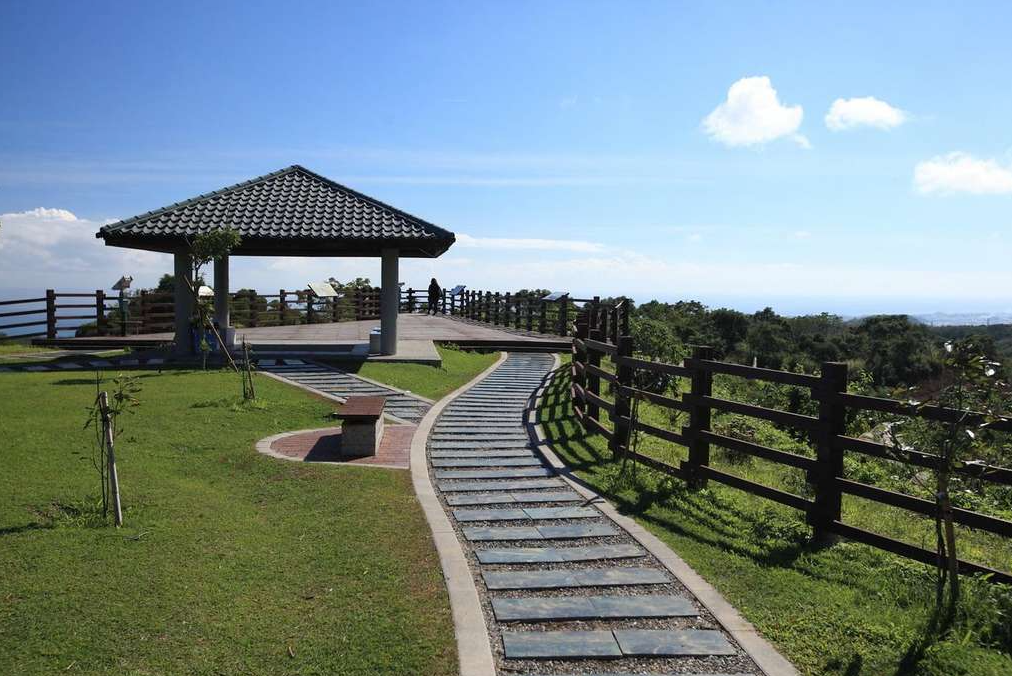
{"points": [[969, 384]]}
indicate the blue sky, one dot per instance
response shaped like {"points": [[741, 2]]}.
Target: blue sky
{"points": [[663, 150]]}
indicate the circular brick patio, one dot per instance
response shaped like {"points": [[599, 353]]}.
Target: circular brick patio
{"points": [[324, 445]]}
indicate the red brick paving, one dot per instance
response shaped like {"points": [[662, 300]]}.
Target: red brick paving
{"points": [[325, 446]]}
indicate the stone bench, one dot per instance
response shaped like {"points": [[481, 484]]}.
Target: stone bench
{"points": [[361, 425]]}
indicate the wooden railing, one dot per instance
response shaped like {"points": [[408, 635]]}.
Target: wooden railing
{"points": [[518, 311], [57, 314], [596, 340]]}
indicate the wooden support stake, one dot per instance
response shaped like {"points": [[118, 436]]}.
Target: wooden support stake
{"points": [[107, 423]]}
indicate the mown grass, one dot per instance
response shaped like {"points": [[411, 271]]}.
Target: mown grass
{"points": [[847, 609], [230, 562], [458, 367]]}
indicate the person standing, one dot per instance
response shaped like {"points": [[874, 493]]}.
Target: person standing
{"points": [[435, 296]]}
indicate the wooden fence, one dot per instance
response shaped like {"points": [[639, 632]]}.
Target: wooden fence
{"points": [[520, 311], [146, 312], [602, 333]]}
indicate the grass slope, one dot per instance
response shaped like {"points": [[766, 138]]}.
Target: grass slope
{"points": [[847, 610], [230, 562], [458, 367]]}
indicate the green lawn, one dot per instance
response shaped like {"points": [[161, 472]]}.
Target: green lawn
{"points": [[847, 610], [458, 367], [230, 562]]}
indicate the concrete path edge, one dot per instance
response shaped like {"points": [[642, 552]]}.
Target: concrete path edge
{"points": [[474, 652], [766, 657]]}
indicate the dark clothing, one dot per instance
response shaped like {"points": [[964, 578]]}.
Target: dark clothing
{"points": [[435, 296]]}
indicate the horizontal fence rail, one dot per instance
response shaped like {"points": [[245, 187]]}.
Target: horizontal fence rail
{"points": [[595, 342]]}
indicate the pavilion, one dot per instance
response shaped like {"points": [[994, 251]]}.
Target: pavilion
{"points": [[291, 212]]}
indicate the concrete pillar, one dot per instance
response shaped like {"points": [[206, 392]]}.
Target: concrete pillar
{"points": [[183, 269], [221, 296], [390, 300]]}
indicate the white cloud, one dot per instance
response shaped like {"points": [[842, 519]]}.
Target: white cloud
{"points": [[49, 248], [961, 172], [467, 241], [752, 115], [866, 111]]}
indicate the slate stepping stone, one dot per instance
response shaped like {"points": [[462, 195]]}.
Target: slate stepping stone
{"points": [[580, 531], [487, 462], [489, 514], [478, 534], [517, 473], [558, 554], [36, 368], [520, 645], [156, 361], [591, 608], [478, 436], [130, 362], [101, 363], [562, 579], [549, 496], [476, 486], [664, 643], [494, 499], [268, 362], [539, 513], [494, 453], [69, 365], [295, 362]]}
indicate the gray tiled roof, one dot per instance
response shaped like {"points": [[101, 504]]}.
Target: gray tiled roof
{"points": [[291, 211]]}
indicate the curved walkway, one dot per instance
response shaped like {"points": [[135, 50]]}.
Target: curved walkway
{"points": [[561, 586]]}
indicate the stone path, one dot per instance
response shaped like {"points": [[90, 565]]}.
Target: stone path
{"points": [[333, 381], [564, 589]]}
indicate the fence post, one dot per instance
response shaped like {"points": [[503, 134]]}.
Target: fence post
{"points": [[506, 307], [50, 314], [530, 314], [623, 405], [699, 419], [543, 317], [310, 312], [593, 359], [281, 307], [122, 314], [143, 313], [563, 316], [100, 311], [832, 422], [497, 309], [578, 375], [625, 318]]}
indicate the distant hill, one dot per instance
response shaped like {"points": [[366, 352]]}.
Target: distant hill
{"points": [[963, 318]]}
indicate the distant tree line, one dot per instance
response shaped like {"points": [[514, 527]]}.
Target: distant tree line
{"points": [[893, 350]]}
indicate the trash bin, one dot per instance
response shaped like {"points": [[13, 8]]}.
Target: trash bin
{"points": [[374, 341]]}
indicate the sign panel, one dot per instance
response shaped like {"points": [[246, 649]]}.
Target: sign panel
{"points": [[555, 295], [323, 290], [457, 290]]}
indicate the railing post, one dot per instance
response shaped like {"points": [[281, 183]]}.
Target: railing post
{"points": [[506, 310], [100, 311], [623, 403], [530, 314], [542, 316], [310, 312], [832, 422], [564, 316], [50, 314], [593, 359], [122, 314], [143, 314], [625, 318], [498, 310], [577, 374], [254, 308], [699, 418]]}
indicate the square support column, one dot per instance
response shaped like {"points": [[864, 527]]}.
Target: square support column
{"points": [[390, 300], [221, 298], [183, 301]]}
